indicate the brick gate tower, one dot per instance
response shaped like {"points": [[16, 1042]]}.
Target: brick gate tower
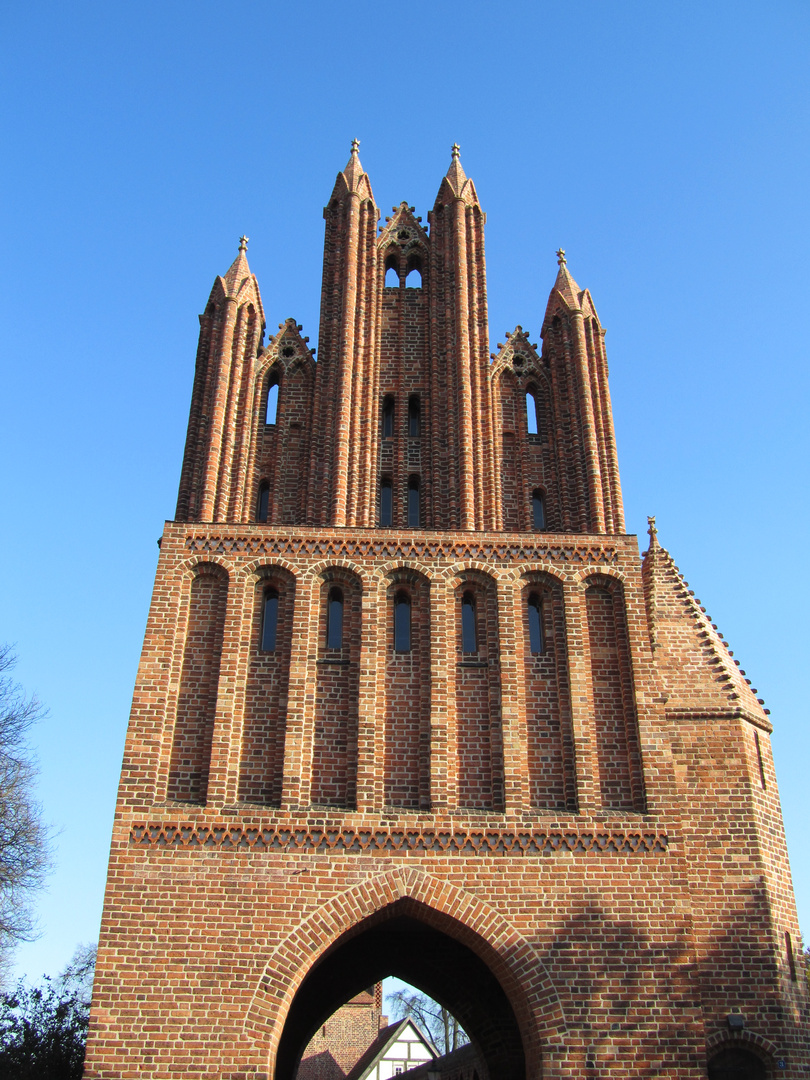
{"points": [[411, 704]]}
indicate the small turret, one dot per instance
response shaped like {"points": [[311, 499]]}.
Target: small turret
{"points": [[231, 330]]}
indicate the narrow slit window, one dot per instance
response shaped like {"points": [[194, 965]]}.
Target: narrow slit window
{"points": [[386, 503], [413, 502], [538, 510], [414, 420], [269, 621], [263, 502], [760, 761], [535, 624], [388, 418], [531, 413], [402, 623], [469, 637], [790, 957], [272, 403], [334, 620]]}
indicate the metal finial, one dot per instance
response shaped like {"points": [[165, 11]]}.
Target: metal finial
{"points": [[355, 146], [561, 260], [243, 243], [455, 150]]}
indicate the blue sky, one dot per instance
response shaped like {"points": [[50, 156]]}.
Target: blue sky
{"points": [[664, 146]]}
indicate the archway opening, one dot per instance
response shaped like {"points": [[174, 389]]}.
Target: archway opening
{"points": [[735, 1063], [430, 952]]}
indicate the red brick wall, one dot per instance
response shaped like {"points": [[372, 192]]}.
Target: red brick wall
{"points": [[478, 728], [197, 699], [550, 747], [262, 756], [612, 696], [334, 755], [407, 699]]}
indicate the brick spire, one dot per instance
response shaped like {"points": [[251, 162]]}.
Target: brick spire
{"points": [[456, 180], [239, 270], [214, 465], [565, 284]]}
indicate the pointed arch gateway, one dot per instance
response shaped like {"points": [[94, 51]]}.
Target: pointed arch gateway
{"points": [[440, 938]]}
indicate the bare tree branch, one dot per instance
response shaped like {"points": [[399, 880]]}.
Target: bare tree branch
{"points": [[434, 1019], [25, 854]]}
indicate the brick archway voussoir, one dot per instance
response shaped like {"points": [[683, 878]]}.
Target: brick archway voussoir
{"points": [[513, 961]]}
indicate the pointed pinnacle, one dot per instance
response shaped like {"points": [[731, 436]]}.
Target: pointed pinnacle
{"points": [[652, 532]]}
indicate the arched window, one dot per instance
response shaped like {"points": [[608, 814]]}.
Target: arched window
{"points": [[388, 417], [272, 401], [392, 278], [334, 620], [531, 412], [469, 637], [386, 503], [414, 419], [263, 502], [414, 278], [535, 624], [413, 502], [402, 622], [538, 509], [269, 620]]}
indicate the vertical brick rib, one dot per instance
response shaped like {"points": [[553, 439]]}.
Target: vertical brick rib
{"points": [[245, 423], [513, 698], [476, 388], [599, 420], [346, 360], [575, 449], [586, 412], [216, 419], [463, 364], [223, 495], [582, 720], [609, 436], [368, 414], [191, 456]]}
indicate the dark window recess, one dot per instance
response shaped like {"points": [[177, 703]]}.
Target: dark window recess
{"points": [[334, 620], [272, 403], [538, 510], [790, 957], [531, 413], [469, 638], [388, 418], [402, 623], [413, 502], [414, 422], [269, 621], [386, 504], [263, 502], [760, 761], [535, 624]]}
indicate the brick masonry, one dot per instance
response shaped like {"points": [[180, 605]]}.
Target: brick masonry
{"points": [[588, 834]]}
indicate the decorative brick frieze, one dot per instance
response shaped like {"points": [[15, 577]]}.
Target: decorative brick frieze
{"points": [[484, 842]]}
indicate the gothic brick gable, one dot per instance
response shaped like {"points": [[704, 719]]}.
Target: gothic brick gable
{"points": [[409, 703]]}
